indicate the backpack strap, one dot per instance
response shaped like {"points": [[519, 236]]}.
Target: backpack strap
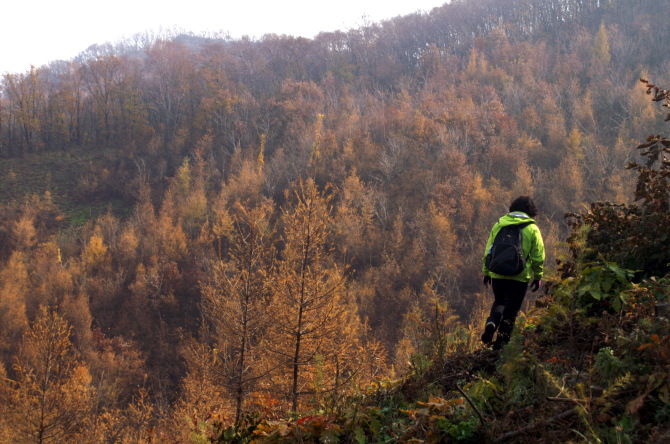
{"points": [[521, 227], [524, 224]]}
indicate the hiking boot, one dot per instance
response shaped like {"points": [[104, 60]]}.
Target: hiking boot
{"points": [[487, 336]]}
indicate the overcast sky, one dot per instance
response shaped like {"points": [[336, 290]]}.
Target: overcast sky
{"points": [[39, 31]]}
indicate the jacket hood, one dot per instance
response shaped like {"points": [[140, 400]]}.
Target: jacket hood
{"points": [[514, 218]]}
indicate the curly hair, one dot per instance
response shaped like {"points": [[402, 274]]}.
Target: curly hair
{"points": [[525, 204]]}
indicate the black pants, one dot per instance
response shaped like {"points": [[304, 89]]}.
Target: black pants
{"points": [[508, 296]]}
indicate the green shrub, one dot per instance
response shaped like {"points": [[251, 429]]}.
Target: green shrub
{"points": [[602, 286], [607, 365]]}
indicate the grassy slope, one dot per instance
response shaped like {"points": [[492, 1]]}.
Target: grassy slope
{"points": [[59, 173]]}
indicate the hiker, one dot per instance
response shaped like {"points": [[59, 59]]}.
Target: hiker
{"points": [[508, 270]]}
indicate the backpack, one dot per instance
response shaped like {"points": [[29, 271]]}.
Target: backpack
{"points": [[505, 257]]}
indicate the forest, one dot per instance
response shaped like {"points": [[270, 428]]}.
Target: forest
{"points": [[201, 233]]}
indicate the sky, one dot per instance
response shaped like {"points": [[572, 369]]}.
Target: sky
{"points": [[36, 32]]}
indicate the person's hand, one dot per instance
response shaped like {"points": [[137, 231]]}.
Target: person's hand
{"points": [[486, 280], [535, 285]]}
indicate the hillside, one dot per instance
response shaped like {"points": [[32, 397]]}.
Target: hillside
{"points": [[207, 240], [587, 363]]}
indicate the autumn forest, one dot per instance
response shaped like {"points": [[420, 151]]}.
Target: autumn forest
{"points": [[193, 229]]}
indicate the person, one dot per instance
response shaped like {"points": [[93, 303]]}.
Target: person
{"points": [[509, 291]]}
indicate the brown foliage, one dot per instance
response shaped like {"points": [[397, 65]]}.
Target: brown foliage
{"points": [[314, 326], [50, 397]]}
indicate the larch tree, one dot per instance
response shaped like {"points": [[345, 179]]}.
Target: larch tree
{"points": [[315, 325], [354, 221], [50, 396], [234, 300], [426, 326], [14, 285], [601, 46]]}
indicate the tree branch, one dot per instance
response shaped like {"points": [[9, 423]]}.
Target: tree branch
{"points": [[467, 398], [523, 430]]}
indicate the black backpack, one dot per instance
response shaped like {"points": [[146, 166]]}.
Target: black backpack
{"points": [[505, 256]]}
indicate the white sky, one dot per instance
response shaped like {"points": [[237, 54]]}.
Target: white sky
{"points": [[40, 31]]}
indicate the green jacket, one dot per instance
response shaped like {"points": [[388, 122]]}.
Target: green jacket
{"points": [[533, 247]]}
